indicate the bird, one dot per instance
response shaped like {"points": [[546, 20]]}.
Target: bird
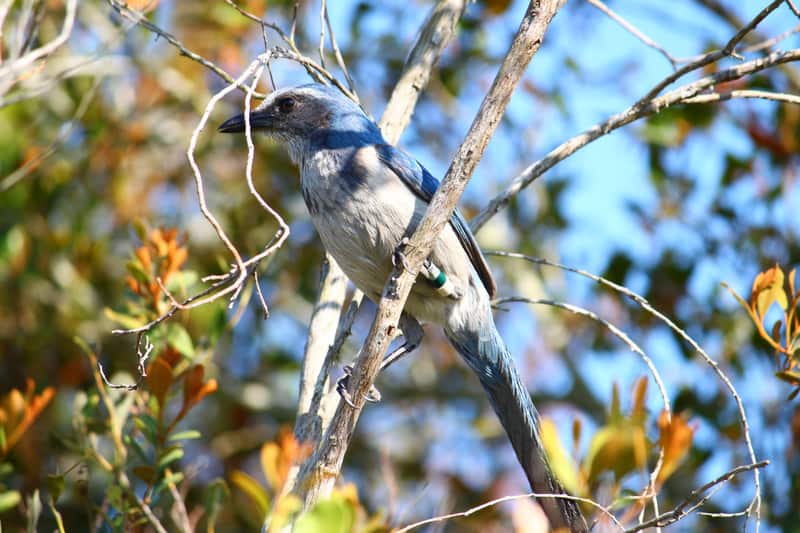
{"points": [[365, 197]]}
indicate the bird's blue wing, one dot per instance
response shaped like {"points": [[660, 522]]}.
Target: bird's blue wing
{"points": [[423, 184]]}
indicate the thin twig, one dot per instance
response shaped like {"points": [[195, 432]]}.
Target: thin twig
{"points": [[793, 7], [139, 19], [636, 32], [695, 498], [496, 501], [745, 93], [17, 66], [649, 491], [338, 53], [141, 365], [328, 459], [644, 304], [763, 45], [674, 97], [728, 50], [321, 47]]}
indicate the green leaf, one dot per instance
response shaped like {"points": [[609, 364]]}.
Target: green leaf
{"points": [[133, 443], [335, 515], [148, 426], [135, 269], [173, 478], [6, 468], [789, 376], [564, 468], [254, 491], [124, 320], [178, 338], [2, 437], [172, 455], [189, 434], [9, 499], [213, 497], [55, 484]]}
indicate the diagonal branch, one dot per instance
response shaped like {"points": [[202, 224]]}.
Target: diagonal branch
{"points": [[681, 95], [329, 327], [328, 459]]}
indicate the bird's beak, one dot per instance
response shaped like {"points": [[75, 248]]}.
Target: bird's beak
{"points": [[259, 120]]}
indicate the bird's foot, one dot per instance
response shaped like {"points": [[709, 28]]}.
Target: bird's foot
{"points": [[373, 395], [398, 257]]}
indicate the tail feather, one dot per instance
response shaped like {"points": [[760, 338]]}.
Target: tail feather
{"points": [[486, 354]]}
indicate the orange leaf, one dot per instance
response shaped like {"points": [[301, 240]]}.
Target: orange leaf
{"points": [[675, 437], [194, 389], [159, 379], [278, 457], [768, 289], [18, 412]]}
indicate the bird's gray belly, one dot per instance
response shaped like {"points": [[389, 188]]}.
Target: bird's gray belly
{"points": [[362, 233], [360, 244]]}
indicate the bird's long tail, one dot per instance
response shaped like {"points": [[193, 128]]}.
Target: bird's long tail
{"points": [[486, 354]]}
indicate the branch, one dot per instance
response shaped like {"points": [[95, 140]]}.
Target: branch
{"points": [[681, 95], [16, 67], [695, 499], [649, 492], [329, 328], [437, 32], [644, 304], [496, 501], [136, 17], [636, 32], [328, 459]]}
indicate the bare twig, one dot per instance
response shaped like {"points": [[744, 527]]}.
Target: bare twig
{"points": [[728, 50], [321, 47], [769, 43], [676, 96], [180, 514], [338, 53], [793, 7], [745, 93], [141, 368], [649, 491], [695, 499], [636, 32], [261, 299], [644, 304], [327, 460], [14, 68], [434, 36], [139, 19], [492, 503]]}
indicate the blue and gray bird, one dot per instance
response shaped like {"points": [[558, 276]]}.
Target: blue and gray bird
{"points": [[365, 197]]}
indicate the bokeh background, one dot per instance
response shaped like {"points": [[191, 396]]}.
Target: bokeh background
{"points": [[93, 160]]}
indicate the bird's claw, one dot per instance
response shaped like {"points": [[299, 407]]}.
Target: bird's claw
{"points": [[373, 395], [398, 257]]}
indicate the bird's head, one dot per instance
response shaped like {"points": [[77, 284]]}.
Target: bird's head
{"points": [[296, 115]]}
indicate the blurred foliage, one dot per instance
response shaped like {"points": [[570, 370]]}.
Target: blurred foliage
{"points": [[772, 287], [98, 204]]}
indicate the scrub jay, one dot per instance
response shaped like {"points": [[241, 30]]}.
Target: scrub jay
{"points": [[365, 196]]}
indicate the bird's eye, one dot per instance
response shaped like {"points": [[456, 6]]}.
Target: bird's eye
{"points": [[285, 105]]}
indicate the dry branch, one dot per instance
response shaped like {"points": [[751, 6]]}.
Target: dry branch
{"points": [[682, 95], [329, 457], [329, 328]]}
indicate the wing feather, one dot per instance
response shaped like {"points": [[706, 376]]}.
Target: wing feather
{"points": [[424, 185]]}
